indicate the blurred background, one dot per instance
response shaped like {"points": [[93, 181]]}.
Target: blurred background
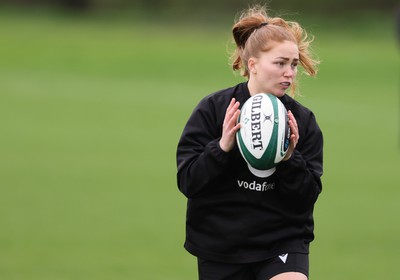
{"points": [[94, 95]]}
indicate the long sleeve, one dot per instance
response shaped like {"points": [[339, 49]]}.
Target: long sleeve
{"points": [[300, 176], [200, 159]]}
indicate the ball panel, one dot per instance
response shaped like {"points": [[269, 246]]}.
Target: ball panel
{"points": [[267, 160], [284, 134]]}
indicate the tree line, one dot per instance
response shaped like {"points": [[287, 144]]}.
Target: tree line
{"points": [[213, 6]]}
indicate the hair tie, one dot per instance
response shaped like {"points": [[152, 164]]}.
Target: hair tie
{"points": [[262, 24]]}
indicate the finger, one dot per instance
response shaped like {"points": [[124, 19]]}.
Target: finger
{"points": [[234, 107], [232, 121], [294, 135], [231, 107], [292, 118], [233, 100], [231, 104], [233, 112], [293, 127], [294, 140], [293, 122]]}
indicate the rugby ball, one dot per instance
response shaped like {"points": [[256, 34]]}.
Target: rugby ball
{"points": [[264, 134]]}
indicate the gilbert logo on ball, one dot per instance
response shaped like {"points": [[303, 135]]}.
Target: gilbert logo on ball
{"points": [[263, 137]]}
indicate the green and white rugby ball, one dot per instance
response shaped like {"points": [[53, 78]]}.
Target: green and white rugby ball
{"points": [[264, 134]]}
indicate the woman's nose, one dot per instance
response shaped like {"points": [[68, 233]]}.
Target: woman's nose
{"points": [[289, 72]]}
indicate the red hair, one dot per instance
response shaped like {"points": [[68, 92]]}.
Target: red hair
{"points": [[255, 32]]}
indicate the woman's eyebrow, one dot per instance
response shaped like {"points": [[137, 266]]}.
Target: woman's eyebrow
{"points": [[286, 58]]}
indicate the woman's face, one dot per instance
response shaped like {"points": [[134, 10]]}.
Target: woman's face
{"points": [[275, 70]]}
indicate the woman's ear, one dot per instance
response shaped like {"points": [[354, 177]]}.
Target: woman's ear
{"points": [[251, 65]]}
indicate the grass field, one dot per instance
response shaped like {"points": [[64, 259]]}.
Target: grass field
{"points": [[90, 115]]}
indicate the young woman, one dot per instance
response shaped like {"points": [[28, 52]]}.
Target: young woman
{"points": [[238, 231]]}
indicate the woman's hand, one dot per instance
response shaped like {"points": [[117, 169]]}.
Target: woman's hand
{"points": [[230, 127], [294, 135]]}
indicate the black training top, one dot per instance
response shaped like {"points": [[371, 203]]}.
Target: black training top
{"points": [[234, 216]]}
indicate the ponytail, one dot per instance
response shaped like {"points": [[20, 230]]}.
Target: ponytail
{"points": [[249, 21]]}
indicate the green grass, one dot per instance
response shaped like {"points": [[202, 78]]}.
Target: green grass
{"points": [[90, 115]]}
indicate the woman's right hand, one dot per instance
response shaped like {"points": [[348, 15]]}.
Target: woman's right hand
{"points": [[230, 127]]}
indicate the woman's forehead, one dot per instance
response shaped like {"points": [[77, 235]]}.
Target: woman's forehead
{"points": [[285, 49]]}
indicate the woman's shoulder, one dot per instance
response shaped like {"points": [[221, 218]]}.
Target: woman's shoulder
{"points": [[238, 91], [295, 106], [219, 100], [305, 117]]}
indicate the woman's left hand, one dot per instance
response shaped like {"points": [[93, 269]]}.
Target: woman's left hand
{"points": [[294, 135]]}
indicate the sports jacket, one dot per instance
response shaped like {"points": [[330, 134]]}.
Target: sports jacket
{"points": [[232, 215]]}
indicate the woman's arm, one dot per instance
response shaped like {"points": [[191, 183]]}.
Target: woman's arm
{"points": [[203, 153], [300, 176]]}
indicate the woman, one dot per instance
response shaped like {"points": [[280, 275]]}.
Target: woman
{"points": [[236, 231]]}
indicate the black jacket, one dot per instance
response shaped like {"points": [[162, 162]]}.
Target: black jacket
{"points": [[232, 215]]}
